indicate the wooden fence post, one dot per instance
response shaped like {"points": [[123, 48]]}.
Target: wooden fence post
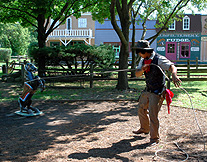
{"points": [[188, 68], [22, 73], [91, 75], [7, 66], [196, 63]]}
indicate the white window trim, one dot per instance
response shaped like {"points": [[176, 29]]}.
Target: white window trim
{"points": [[70, 23], [82, 26], [186, 18], [173, 26]]}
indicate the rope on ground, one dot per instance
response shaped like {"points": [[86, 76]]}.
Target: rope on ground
{"points": [[195, 117], [169, 150], [187, 156], [191, 105]]}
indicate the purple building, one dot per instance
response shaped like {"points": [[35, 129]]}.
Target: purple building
{"points": [[105, 34]]}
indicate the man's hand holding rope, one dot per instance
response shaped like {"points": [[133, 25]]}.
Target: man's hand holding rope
{"points": [[177, 82]]}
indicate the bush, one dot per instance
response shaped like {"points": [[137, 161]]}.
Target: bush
{"points": [[5, 54], [98, 56], [32, 46], [104, 55]]}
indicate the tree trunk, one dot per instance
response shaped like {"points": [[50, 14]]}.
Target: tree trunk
{"points": [[123, 64], [133, 66], [123, 57], [41, 42], [123, 33]]}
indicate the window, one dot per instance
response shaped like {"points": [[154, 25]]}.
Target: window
{"points": [[171, 48], [82, 23], [69, 23], [116, 47], [72, 43], [186, 23], [172, 26], [55, 23], [185, 50], [54, 44]]}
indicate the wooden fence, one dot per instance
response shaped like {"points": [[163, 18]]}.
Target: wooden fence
{"points": [[191, 70], [188, 70]]}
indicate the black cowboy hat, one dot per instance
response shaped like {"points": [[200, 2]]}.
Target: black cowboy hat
{"points": [[142, 45]]}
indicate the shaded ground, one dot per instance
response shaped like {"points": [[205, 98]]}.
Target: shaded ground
{"points": [[97, 131]]}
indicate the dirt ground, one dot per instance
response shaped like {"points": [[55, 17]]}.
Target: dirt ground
{"points": [[98, 131]]}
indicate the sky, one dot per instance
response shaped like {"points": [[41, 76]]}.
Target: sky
{"points": [[203, 12]]}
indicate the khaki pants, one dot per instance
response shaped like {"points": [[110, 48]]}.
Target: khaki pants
{"points": [[150, 103]]}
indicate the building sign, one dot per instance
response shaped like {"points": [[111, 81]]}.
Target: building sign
{"points": [[160, 48], [180, 35], [195, 42], [161, 42], [178, 40], [195, 49], [204, 39]]}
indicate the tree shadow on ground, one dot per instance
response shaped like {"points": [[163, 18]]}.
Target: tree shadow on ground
{"points": [[175, 153], [113, 151], [23, 138]]}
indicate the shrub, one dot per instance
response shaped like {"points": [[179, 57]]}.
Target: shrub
{"points": [[32, 46], [103, 55], [98, 56], [5, 54]]}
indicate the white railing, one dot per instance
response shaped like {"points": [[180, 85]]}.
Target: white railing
{"points": [[72, 33]]}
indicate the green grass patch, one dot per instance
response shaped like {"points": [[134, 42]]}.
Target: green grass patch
{"points": [[197, 91], [104, 90]]}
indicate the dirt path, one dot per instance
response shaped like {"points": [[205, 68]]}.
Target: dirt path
{"points": [[97, 131]]}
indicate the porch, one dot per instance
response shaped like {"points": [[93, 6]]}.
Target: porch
{"points": [[65, 36]]}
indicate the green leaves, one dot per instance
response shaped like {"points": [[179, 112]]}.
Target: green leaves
{"points": [[5, 54], [104, 55], [101, 56], [16, 37], [101, 11]]}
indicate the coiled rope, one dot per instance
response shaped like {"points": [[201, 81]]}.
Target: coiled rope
{"points": [[187, 156], [170, 150]]}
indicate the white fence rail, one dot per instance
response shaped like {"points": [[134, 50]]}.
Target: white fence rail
{"points": [[72, 33]]}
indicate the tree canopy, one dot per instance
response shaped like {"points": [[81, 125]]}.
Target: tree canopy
{"points": [[16, 37], [38, 13]]}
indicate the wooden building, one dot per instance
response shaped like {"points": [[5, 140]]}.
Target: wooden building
{"points": [[105, 34], [81, 30], [182, 40]]}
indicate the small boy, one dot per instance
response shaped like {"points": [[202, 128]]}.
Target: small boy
{"points": [[152, 97]]}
